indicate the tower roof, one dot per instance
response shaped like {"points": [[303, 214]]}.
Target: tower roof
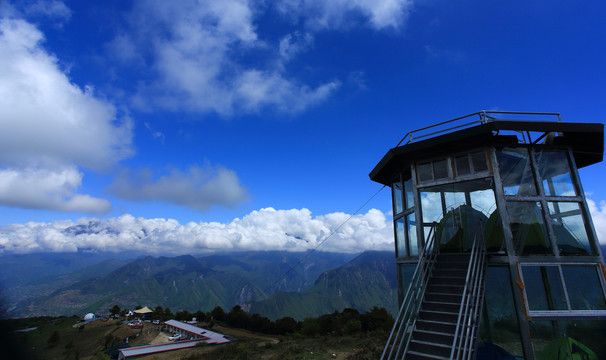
{"points": [[586, 140]]}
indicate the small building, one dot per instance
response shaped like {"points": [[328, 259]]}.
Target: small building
{"points": [[192, 335], [495, 246]]}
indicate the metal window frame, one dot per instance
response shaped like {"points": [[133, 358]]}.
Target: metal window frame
{"points": [[564, 314]]}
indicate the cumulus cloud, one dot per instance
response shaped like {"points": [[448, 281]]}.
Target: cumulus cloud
{"points": [[598, 213], [49, 127], [265, 229], [45, 117], [50, 189], [198, 188]]}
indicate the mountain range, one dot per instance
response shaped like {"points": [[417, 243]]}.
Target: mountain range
{"points": [[272, 283]]}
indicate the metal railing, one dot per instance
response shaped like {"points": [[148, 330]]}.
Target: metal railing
{"points": [[399, 338], [484, 117], [464, 342]]}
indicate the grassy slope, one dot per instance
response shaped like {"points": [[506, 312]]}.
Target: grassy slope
{"points": [[91, 340]]}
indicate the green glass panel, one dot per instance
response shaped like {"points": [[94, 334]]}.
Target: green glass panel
{"points": [[573, 339], [528, 228], [544, 290], [462, 165], [569, 228], [406, 273], [424, 172], [499, 323], [479, 162], [555, 172], [440, 169], [516, 173], [584, 288]]}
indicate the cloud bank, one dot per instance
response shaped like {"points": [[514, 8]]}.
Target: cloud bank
{"points": [[265, 229]]}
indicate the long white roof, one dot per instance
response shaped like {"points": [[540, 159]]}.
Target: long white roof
{"points": [[152, 349], [212, 337]]}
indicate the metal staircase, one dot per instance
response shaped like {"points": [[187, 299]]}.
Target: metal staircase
{"points": [[439, 317]]}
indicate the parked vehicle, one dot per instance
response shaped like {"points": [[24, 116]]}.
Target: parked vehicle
{"points": [[175, 337]]}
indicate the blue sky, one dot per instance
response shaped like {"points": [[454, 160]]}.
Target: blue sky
{"points": [[194, 125]]}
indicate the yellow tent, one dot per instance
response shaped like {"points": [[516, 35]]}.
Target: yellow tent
{"points": [[143, 310]]}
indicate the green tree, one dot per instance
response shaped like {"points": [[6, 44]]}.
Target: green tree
{"points": [[377, 319], [183, 315], [167, 314], [218, 314], [115, 310]]}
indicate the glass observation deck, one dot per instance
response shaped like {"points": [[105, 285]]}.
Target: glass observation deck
{"points": [[510, 178]]}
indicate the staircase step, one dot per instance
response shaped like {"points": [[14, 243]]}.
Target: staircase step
{"points": [[433, 336], [414, 355], [441, 306], [436, 326], [450, 272], [446, 280], [438, 316], [442, 297], [430, 348], [445, 289]]}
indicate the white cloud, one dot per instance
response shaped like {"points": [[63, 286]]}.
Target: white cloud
{"points": [[200, 51], [53, 9], [46, 118], [343, 14], [598, 213], [199, 188], [47, 189], [49, 127], [265, 229], [295, 43]]}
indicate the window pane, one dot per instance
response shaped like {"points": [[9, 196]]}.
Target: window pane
{"points": [[478, 160], [574, 339], [544, 289], [516, 173], [584, 289], [569, 228], [400, 240], [397, 197], [406, 273], [431, 203], [440, 169], [454, 200], [462, 165], [555, 172], [425, 172], [409, 195], [528, 228], [412, 234], [499, 323]]}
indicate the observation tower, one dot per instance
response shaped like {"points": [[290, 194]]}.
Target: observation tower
{"points": [[496, 251]]}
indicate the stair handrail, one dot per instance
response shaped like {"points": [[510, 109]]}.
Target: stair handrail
{"points": [[399, 338], [471, 303]]}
